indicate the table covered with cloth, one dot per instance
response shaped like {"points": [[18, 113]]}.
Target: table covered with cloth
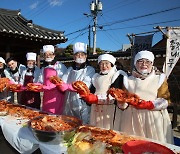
{"points": [[22, 139]]}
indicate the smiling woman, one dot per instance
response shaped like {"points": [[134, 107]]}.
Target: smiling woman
{"points": [[151, 110]]}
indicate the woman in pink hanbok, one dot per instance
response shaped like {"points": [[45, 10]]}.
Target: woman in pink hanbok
{"points": [[53, 99]]}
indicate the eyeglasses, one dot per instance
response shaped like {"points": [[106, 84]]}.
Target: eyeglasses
{"points": [[104, 63], [146, 62]]}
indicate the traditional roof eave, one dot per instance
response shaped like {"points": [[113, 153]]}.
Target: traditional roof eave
{"points": [[13, 23]]}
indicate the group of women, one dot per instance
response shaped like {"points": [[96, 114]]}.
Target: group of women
{"points": [[147, 118]]}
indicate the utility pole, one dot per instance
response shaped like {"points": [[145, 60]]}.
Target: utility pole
{"points": [[96, 7], [89, 38]]}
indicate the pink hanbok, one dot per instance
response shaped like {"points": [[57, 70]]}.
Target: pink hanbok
{"points": [[53, 99]]}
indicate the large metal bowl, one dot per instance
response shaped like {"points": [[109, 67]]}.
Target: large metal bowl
{"points": [[52, 136]]}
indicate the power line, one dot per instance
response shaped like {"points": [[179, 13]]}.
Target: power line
{"points": [[77, 37], [77, 31], [114, 34], [144, 25], [81, 30], [41, 8], [73, 21], [117, 7], [142, 16], [44, 9], [112, 38], [32, 10], [127, 27], [87, 27], [133, 19]]}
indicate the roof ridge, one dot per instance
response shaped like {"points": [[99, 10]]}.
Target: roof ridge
{"points": [[13, 22], [10, 12]]}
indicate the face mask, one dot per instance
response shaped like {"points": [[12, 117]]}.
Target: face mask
{"points": [[144, 72], [105, 72], [1, 67], [48, 59], [30, 66], [80, 60]]}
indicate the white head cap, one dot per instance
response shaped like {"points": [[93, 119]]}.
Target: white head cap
{"points": [[2, 60], [79, 47], [31, 56], [144, 54], [107, 57], [48, 48]]}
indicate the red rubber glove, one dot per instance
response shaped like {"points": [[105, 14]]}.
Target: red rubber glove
{"points": [[90, 98], [143, 105]]}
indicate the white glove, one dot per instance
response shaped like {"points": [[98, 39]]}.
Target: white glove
{"points": [[160, 104], [122, 106], [102, 99]]}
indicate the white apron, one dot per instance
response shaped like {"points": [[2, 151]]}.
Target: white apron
{"points": [[146, 123], [102, 115], [74, 106]]}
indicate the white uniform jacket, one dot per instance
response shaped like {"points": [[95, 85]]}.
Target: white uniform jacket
{"points": [[75, 106], [14, 77], [37, 75]]}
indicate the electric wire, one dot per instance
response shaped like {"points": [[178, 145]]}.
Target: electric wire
{"points": [[162, 22], [40, 6], [117, 7], [44, 8], [141, 16]]}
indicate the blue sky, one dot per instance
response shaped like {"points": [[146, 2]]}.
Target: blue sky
{"points": [[118, 18]]}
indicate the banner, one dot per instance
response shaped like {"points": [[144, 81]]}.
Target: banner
{"points": [[172, 50], [141, 43]]}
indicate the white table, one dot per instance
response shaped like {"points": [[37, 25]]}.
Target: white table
{"points": [[22, 139]]}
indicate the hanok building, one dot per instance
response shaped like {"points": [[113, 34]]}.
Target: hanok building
{"points": [[19, 35]]}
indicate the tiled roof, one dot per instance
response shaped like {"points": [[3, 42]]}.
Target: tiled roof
{"points": [[12, 22]]}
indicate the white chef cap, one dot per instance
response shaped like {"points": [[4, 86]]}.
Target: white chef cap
{"points": [[2, 60], [79, 47], [144, 54], [31, 56], [107, 57], [48, 48]]}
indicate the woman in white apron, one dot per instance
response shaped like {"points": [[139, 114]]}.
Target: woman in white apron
{"points": [[148, 118], [31, 75], [103, 110]]}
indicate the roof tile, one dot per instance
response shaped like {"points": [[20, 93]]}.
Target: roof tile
{"points": [[11, 21]]}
